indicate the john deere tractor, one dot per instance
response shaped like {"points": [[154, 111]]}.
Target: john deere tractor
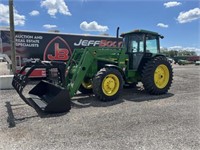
{"points": [[103, 71]]}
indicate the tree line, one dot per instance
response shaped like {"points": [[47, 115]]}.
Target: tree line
{"points": [[182, 52]]}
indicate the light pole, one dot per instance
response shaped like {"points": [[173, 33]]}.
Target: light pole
{"points": [[12, 36]]}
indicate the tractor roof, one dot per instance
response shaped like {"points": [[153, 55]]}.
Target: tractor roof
{"points": [[141, 31]]}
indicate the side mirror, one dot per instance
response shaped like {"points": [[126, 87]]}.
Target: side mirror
{"points": [[162, 37]]}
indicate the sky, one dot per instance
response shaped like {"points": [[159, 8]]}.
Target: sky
{"points": [[177, 21]]}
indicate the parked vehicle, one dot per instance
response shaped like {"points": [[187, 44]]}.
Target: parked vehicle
{"points": [[197, 63], [185, 62], [170, 59]]}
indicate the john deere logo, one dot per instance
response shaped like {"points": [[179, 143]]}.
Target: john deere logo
{"points": [[57, 49]]}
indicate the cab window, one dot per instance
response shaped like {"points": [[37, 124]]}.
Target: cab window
{"points": [[151, 44]]}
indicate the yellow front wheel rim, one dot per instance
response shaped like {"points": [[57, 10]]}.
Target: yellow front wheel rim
{"points": [[87, 85], [110, 85], [161, 76]]}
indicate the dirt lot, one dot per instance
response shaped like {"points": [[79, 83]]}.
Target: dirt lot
{"points": [[135, 121]]}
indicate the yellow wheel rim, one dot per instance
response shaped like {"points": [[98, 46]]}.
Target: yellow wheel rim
{"points": [[87, 85], [161, 76], [110, 85]]}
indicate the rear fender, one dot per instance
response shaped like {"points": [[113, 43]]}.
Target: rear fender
{"points": [[146, 59], [158, 55]]}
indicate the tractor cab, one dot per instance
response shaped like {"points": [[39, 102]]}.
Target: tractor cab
{"points": [[140, 44]]}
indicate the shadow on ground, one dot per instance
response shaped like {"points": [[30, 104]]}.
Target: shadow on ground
{"points": [[81, 101], [131, 94], [12, 121]]}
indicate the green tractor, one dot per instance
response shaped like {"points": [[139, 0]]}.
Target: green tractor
{"points": [[103, 71]]}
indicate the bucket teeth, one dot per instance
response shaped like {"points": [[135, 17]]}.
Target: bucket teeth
{"points": [[19, 82]]}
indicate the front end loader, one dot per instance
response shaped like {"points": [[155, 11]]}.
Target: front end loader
{"points": [[103, 71], [45, 96]]}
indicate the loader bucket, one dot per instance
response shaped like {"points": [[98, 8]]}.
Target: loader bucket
{"points": [[50, 98], [45, 96]]}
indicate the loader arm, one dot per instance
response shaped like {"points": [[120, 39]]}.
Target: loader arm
{"points": [[83, 60], [78, 71]]}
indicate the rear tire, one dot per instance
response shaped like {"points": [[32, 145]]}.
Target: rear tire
{"points": [[107, 84], [157, 76]]}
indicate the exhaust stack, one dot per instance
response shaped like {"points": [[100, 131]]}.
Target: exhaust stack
{"points": [[117, 35]]}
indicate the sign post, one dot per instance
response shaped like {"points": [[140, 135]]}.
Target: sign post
{"points": [[12, 36]]}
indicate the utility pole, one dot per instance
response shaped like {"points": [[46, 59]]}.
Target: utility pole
{"points": [[12, 36]]}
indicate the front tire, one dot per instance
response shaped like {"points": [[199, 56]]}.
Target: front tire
{"points": [[107, 84], [157, 76], [86, 87]]}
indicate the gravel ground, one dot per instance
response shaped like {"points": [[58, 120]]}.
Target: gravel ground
{"points": [[135, 121]]}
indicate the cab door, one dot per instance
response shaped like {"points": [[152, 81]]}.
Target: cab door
{"points": [[135, 50]]}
